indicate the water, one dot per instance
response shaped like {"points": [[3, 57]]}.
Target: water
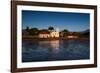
{"points": [[35, 51]]}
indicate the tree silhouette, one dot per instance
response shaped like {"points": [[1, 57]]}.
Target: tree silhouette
{"points": [[27, 28], [50, 28], [34, 31], [65, 32]]}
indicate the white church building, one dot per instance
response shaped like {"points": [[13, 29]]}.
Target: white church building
{"points": [[49, 34], [54, 34]]}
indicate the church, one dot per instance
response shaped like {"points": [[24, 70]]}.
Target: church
{"points": [[47, 34]]}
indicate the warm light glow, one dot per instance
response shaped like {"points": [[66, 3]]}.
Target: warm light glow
{"points": [[54, 34], [44, 35], [55, 46], [72, 36]]}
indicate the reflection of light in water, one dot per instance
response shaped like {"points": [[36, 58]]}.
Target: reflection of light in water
{"points": [[52, 46], [55, 46]]}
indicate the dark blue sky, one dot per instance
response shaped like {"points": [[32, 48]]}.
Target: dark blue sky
{"points": [[60, 20]]}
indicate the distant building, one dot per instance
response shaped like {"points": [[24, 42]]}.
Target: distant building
{"points": [[54, 34], [44, 34], [72, 36], [47, 34]]}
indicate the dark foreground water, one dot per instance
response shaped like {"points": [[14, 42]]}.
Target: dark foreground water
{"points": [[34, 51]]}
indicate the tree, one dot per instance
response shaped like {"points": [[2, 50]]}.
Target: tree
{"points": [[50, 28], [65, 32], [27, 28], [34, 31]]}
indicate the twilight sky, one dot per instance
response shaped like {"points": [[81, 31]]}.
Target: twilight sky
{"points": [[59, 20]]}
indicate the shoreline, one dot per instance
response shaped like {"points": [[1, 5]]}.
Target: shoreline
{"points": [[54, 38]]}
